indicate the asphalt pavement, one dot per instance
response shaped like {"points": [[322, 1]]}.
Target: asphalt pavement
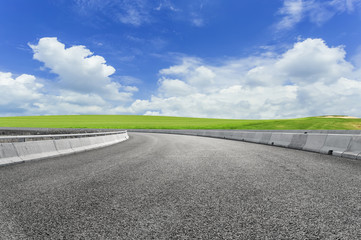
{"points": [[163, 186]]}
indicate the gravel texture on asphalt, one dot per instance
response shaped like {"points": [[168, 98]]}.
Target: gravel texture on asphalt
{"points": [[162, 186]]}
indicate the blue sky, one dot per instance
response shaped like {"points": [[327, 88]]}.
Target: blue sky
{"points": [[253, 59]]}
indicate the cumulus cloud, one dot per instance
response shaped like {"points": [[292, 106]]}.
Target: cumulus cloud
{"points": [[19, 94], [174, 87], [313, 59], [26, 95], [311, 78], [78, 69], [84, 84], [316, 11]]}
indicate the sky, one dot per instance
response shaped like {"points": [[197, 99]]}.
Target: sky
{"points": [[249, 59]]}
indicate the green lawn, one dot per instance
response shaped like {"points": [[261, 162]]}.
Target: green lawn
{"points": [[156, 122]]}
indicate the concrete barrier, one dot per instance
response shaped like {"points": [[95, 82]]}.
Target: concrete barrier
{"points": [[298, 141], [63, 146], [77, 144], [334, 142], [215, 134], [281, 139], [354, 148], [238, 136], [8, 154], [16, 152], [97, 141], [111, 139], [314, 142], [257, 137], [266, 136], [249, 136], [35, 149]]}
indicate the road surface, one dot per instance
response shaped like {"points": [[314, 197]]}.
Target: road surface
{"points": [[162, 186]]}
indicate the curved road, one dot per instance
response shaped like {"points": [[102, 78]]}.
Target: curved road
{"points": [[159, 186]]}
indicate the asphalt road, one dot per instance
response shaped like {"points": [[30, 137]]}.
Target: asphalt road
{"points": [[159, 186]]}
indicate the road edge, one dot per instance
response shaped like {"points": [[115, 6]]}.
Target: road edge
{"points": [[19, 150], [342, 144]]}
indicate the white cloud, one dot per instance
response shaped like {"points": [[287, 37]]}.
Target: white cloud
{"points": [[316, 11], [293, 11], [311, 78], [18, 94], [78, 69], [312, 59], [25, 95], [84, 84], [174, 87], [131, 89], [193, 72], [339, 97]]}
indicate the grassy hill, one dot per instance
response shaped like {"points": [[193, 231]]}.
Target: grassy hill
{"points": [[157, 122]]}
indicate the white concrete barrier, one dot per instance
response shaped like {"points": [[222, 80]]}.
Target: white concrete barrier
{"points": [[238, 136], [76, 144], [266, 136], [249, 136], [281, 139], [216, 134], [228, 134], [63, 146], [16, 152], [35, 149], [354, 148], [338, 143], [257, 137], [298, 141], [8, 154], [314, 142]]}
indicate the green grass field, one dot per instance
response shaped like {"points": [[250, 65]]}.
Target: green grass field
{"points": [[156, 122]]}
